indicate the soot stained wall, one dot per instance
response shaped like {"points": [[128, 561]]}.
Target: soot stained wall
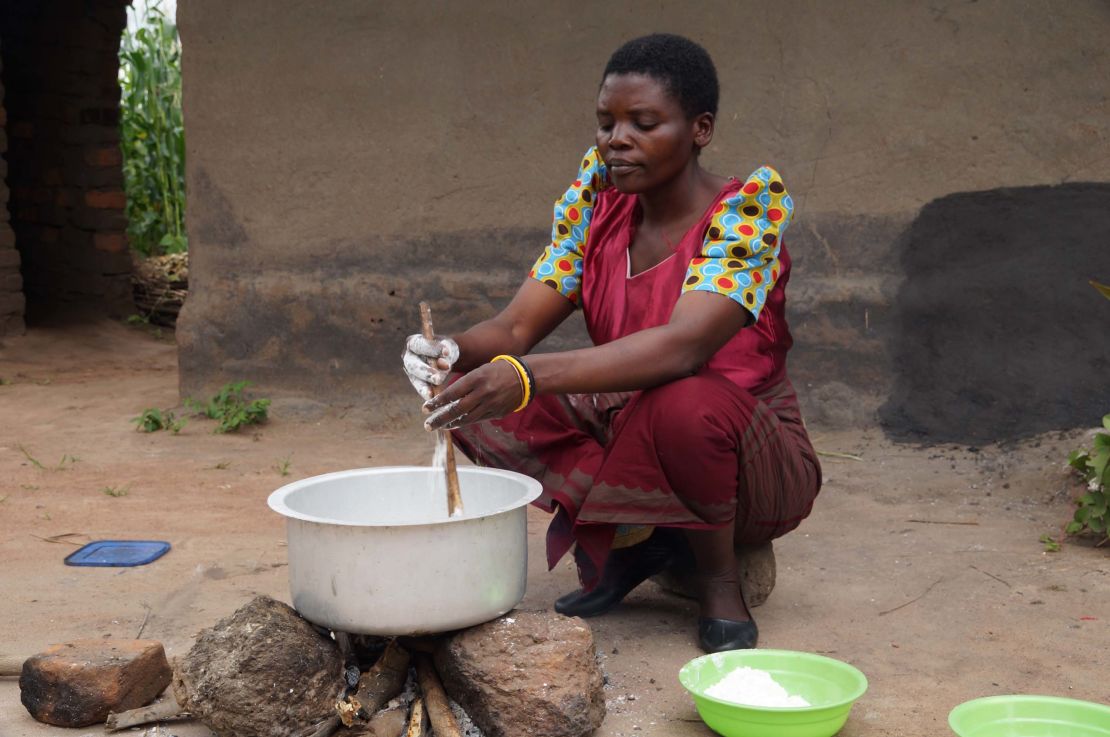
{"points": [[347, 160], [996, 334]]}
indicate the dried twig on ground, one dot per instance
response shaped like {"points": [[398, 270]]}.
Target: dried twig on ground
{"points": [[991, 575], [157, 712], [834, 454], [919, 596], [942, 522]]}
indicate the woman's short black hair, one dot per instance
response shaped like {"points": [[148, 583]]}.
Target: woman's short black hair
{"points": [[682, 66]]}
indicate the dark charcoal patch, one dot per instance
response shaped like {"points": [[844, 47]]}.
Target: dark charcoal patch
{"points": [[998, 335]]}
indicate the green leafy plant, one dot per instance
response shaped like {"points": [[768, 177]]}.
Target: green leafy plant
{"points": [[1051, 544], [282, 466], [153, 420], [115, 491], [231, 409], [1093, 465], [152, 135]]}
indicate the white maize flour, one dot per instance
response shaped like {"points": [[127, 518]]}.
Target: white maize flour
{"points": [[751, 687]]}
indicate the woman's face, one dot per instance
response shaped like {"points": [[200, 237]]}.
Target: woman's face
{"points": [[643, 135]]}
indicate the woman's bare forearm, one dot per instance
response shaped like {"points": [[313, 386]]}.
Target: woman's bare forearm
{"points": [[647, 358], [484, 341], [534, 312]]}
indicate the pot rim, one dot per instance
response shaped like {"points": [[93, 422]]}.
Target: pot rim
{"points": [[276, 500]]}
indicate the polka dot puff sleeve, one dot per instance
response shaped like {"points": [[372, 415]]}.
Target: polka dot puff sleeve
{"points": [[560, 266], [740, 255]]}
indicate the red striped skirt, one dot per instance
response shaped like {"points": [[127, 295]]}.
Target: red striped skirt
{"points": [[695, 453]]}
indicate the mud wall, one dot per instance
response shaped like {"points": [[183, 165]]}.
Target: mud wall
{"points": [[11, 284], [60, 69], [347, 160]]}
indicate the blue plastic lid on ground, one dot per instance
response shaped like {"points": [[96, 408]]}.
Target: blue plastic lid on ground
{"points": [[118, 553]]}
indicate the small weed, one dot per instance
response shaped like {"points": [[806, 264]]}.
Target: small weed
{"points": [[34, 461], [3, 498], [1093, 466], [282, 466], [5, 381], [46, 516], [38, 464], [138, 319], [222, 466], [153, 420], [29, 487], [1050, 545], [44, 382], [230, 409], [115, 491]]}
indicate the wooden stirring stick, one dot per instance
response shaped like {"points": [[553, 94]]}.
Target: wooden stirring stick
{"points": [[454, 497]]}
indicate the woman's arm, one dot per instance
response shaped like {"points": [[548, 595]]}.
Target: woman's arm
{"points": [[702, 322], [533, 313], [700, 325]]}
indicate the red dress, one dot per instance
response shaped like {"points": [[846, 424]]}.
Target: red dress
{"points": [[698, 452]]}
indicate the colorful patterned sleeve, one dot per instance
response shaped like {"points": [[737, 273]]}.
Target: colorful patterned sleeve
{"points": [[560, 266], [740, 255]]}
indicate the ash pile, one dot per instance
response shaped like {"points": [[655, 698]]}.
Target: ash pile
{"points": [[265, 671]]}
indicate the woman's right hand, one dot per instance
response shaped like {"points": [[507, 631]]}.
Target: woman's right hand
{"points": [[427, 362]]}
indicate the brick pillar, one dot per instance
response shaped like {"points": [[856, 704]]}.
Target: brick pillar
{"points": [[61, 71], [11, 284]]}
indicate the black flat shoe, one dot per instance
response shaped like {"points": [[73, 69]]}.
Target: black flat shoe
{"points": [[718, 635], [625, 569]]}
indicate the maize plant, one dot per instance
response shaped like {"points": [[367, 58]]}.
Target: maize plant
{"points": [[152, 135]]}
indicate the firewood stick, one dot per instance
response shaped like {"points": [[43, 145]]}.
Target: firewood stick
{"points": [[439, 711], [418, 720], [324, 729], [11, 665], [160, 711], [385, 679], [454, 496]]}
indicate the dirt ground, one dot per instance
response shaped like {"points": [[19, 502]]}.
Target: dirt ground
{"points": [[919, 565]]}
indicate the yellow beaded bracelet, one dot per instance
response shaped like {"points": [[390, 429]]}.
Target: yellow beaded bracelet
{"points": [[523, 374]]}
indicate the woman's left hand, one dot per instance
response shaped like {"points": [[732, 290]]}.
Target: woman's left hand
{"points": [[490, 391]]}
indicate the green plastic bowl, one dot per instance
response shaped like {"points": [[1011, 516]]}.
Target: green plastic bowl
{"points": [[1030, 716], [830, 686]]}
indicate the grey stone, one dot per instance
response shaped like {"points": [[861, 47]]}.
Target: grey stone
{"points": [[260, 670]]}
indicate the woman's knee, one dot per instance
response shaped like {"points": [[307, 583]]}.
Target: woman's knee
{"points": [[690, 411]]}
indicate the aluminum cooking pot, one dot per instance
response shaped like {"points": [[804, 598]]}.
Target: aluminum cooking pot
{"points": [[373, 551]]}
